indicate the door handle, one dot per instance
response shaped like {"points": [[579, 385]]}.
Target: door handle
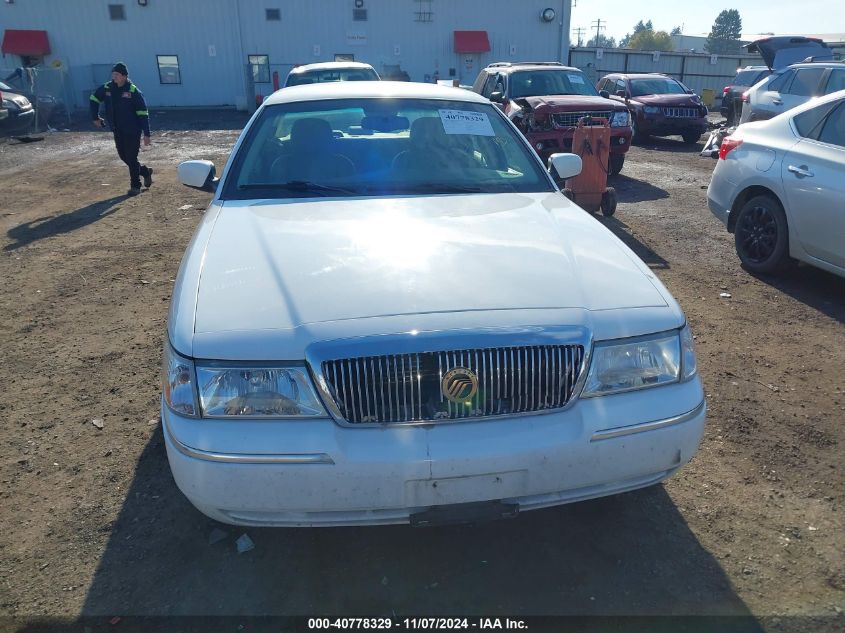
{"points": [[777, 102], [800, 172]]}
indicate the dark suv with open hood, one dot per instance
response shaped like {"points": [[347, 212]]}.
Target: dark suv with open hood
{"points": [[660, 105], [545, 100]]}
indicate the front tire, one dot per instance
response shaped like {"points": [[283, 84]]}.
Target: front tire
{"points": [[615, 163], [761, 236], [637, 137]]}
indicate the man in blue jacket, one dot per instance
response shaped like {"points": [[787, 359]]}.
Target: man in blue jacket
{"points": [[127, 116]]}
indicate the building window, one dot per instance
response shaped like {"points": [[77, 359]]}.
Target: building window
{"points": [[117, 12], [273, 14], [359, 15], [260, 65], [168, 69]]}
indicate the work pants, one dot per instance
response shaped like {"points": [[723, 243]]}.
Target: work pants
{"points": [[128, 146]]}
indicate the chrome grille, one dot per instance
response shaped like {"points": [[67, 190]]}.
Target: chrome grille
{"points": [[406, 387], [682, 113], [570, 119]]}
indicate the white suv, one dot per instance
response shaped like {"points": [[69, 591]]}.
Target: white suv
{"points": [[791, 87]]}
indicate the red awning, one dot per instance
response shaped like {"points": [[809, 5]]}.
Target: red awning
{"points": [[19, 42], [471, 42]]}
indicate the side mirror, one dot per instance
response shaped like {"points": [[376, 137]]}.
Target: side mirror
{"points": [[198, 174], [690, 92], [604, 93], [621, 93], [565, 165], [497, 97]]}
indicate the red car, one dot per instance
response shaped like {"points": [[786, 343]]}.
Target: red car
{"points": [[545, 100], [659, 105]]}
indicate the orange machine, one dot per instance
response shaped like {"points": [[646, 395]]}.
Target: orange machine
{"points": [[589, 189]]}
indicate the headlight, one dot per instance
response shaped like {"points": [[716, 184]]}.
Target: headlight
{"points": [[178, 383], [628, 364], [620, 119], [257, 392], [651, 110]]}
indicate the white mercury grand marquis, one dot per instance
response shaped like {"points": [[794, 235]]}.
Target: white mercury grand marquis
{"points": [[390, 314]]}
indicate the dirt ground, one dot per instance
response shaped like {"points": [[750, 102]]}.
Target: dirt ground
{"points": [[93, 524]]}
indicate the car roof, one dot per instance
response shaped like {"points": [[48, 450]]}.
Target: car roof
{"points": [[371, 90], [812, 103], [330, 66], [508, 67], [640, 75], [824, 64]]}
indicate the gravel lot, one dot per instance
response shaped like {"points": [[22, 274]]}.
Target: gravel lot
{"points": [[93, 524]]}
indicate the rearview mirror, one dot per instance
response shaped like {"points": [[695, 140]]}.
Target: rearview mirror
{"points": [[497, 97], [621, 93], [198, 174], [565, 165], [604, 93]]}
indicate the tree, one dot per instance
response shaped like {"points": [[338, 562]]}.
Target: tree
{"points": [[650, 41], [639, 27], [725, 34], [602, 41], [676, 31]]}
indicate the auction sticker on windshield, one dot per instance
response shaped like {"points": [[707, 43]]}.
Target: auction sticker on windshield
{"points": [[576, 79], [464, 122]]}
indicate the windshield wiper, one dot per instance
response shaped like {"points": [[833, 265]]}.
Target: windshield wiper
{"points": [[297, 185]]}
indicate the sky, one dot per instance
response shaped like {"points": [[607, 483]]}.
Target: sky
{"points": [[696, 18]]}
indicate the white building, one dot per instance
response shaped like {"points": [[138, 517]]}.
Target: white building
{"points": [[223, 52]]}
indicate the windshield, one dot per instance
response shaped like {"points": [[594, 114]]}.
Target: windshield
{"points": [[540, 83], [338, 74], [381, 147], [656, 86]]}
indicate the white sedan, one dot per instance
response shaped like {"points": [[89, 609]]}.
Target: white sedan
{"points": [[779, 187], [390, 314]]}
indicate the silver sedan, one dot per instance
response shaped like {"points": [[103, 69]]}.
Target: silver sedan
{"points": [[779, 187]]}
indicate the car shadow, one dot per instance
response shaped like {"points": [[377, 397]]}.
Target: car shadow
{"points": [[28, 232], [624, 233], [635, 190], [671, 144], [630, 554], [812, 286]]}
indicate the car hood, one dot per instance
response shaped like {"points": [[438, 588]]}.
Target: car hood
{"points": [[273, 264], [568, 103], [685, 100]]}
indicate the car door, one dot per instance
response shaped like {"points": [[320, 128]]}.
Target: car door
{"points": [[813, 174]]}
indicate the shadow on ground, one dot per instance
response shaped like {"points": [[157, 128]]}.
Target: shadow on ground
{"points": [[672, 144], [817, 288], [634, 190], [624, 233], [628, 554], [29, 232]]}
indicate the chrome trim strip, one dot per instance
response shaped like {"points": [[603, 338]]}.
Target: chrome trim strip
{"points": [[244, 458], [620, 431]]}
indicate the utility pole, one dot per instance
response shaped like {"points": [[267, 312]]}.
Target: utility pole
{"points": [[599, 27], [579, 35]]}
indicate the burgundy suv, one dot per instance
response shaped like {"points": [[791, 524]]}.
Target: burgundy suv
{"points": [[659, 105], [545, 100]]}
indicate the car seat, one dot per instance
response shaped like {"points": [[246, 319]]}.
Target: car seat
{"points": [[311, 155]]}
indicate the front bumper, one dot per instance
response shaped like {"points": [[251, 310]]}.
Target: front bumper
{"points": [[659, 125], [551, 142], [316, 473]]}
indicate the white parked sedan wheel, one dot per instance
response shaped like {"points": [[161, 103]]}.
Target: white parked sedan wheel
{"points": [[761, 235]]}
